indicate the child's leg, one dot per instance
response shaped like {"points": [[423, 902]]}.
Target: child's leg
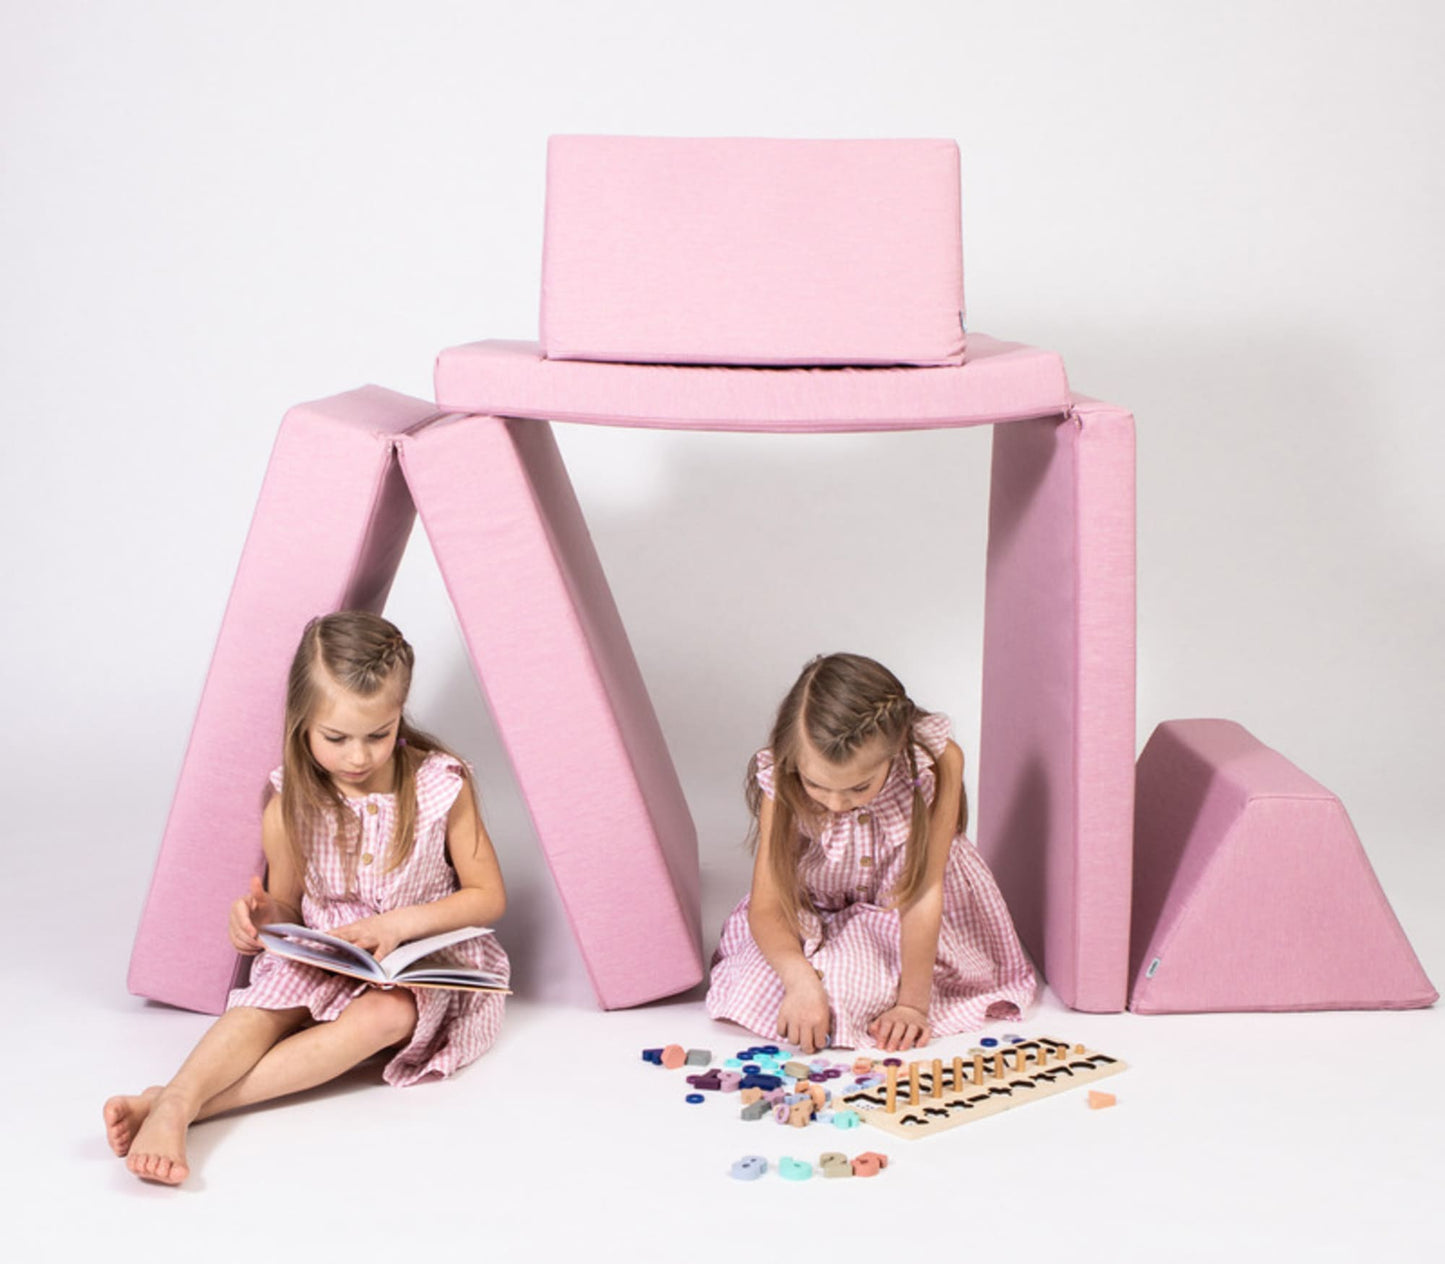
{"points": [[374, 1021], [157, 1121]]}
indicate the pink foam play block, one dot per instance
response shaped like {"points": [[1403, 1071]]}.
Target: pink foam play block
{"points": [[1252, 891], [1057, 752], [1001, 381], [329, 528], [748, 251], [328, 533], [567, 697], [1055, 811]]}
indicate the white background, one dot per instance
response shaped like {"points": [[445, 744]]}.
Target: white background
{"points": [[1226, 217]]}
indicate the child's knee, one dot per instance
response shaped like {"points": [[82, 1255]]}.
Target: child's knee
{"points": [[390, 1015]]}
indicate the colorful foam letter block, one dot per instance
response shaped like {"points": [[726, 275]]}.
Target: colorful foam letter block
{"points": [[749, 1167], [1252, 891]]}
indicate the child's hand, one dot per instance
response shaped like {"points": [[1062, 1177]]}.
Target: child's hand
{"points": [[804, 1016], [378, 934], [254, 909], [901, 1027]]}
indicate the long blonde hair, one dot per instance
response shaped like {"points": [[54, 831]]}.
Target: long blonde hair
{"points": [[839, 703], [363, 654]]}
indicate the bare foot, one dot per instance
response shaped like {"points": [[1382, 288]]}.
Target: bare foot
{"points": [[124, 1116], [158, 1152]]}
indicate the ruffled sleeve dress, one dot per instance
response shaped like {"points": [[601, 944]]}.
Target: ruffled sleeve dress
{"points": [[453, 1028], [850, 870]]}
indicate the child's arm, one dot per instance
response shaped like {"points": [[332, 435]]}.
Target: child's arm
{"points": [[905, 1025], [803, 1017], [280, 899], [480, 900]]}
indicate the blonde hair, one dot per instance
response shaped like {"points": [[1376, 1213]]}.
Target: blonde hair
{"points": [[838, 704], [363, 654]]}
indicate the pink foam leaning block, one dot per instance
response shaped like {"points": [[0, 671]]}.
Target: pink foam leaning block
{"points": [[1056, 787], [1252, 891], [333, 518], [329, 528], [1002, 381], [667, 250], [567, 697]]}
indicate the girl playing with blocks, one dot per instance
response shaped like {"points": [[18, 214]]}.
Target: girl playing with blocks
{"points": [[872, 920], [374, 836]]}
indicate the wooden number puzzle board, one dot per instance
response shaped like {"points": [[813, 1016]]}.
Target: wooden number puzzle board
{"points": [[955, 1091]]}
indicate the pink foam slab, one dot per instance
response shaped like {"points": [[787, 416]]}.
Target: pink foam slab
{"points": [[750, 251], [1055, 812], [567, 697], [329, 528], [1252, 891], [1001, 381]]}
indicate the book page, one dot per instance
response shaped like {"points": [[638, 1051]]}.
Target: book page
{"points": [[399, 958], [319, 949]]}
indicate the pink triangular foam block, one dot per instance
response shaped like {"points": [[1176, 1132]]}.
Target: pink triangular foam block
{"points": [[1251, 889]]}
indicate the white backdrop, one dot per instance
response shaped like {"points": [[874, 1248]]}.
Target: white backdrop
{"points": [[1226, 217]]}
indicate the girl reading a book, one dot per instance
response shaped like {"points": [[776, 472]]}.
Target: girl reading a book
{"points": [[374, 836]]}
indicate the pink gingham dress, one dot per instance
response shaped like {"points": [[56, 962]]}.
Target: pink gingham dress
{"points": [[980, 972], [452, 1028]]}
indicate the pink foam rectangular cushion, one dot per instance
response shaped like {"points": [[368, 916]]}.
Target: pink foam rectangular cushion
{"points": [[1055, 770], [1002, 381], [329, 529], [743, 251]]}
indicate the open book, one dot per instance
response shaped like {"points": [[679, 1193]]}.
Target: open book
{"points": [[409, 964]]}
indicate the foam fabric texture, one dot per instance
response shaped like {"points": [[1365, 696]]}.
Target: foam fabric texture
{"points": [[329, 530], [1001, 381], [1056, 786], [1056, 753], [569, 702], [747, 251], [1252, 891]]}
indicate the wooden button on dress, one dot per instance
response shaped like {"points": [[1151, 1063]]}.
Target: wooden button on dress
{"points": [[366, 857], [371, 809]]}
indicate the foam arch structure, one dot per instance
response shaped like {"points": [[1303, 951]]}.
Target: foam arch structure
{"points": [[329, 529], [1252, 891], [1056, 749]]}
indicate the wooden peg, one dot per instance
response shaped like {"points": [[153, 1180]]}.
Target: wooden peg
{"points": [[957, 1082], [892, 1099], [937, 1078], [913, 1083], [978, 1068]]}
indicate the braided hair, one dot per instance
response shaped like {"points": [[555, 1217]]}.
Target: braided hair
{"points": [[838, 704], [364, 654]]}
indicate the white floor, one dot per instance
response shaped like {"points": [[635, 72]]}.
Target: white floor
{"points": [[1236, 1137]]}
